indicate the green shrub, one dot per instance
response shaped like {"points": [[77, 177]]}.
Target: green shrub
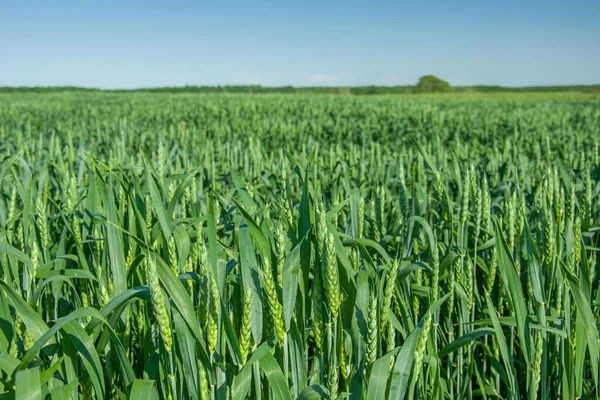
{"points": [[431, 84]]}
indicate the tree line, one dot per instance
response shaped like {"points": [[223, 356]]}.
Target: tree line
{"points": [[426, 84]]}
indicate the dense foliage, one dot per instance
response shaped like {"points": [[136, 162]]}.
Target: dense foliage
{"points": [[216, 246], [343, 90], [432, 84]]}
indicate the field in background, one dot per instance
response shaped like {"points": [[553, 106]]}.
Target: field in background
{"points": [[355, 90], [216, 246]]}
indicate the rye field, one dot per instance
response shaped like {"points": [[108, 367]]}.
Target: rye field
{"points": [[181, 246]]}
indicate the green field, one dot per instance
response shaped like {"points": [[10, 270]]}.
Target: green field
{"points": [[200, 246]]}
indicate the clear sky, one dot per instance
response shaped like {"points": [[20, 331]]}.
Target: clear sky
{"points": [[128, 44]]}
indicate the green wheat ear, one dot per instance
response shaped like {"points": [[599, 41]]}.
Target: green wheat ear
{"points": [[317, 312], [158, 305], [245, 329], [274, 306], [329, 265], [373, 332]]}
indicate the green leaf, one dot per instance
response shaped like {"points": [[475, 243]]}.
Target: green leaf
{"points": [[158, 205], [241, 382], [16, 254], [115, 250], [380, 372], [65, 392], [512, 282], [291, 273], [49, 372], [232, 340], [183, 302], [423, 222], [249, 203], [182, 242], [8, 364], [69, 273], [277, 381], [35, 324], [211, 232], [58, 324], [28, 384], [314, 392], [186, 346], [403, 365], [584, 310], [257, 234], [91, 361], [506, 356], [464, 340], [297, 359], [143, 389]]}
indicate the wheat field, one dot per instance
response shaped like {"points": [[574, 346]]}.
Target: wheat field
{"points": [[299, 246]]}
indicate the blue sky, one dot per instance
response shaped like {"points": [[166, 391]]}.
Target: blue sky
{"points": [[128, 44]]}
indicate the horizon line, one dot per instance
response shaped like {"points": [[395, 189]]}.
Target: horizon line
{"points": [[246, 85]]}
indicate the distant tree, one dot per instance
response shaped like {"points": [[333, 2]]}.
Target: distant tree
{"points": [[432, 84]]}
